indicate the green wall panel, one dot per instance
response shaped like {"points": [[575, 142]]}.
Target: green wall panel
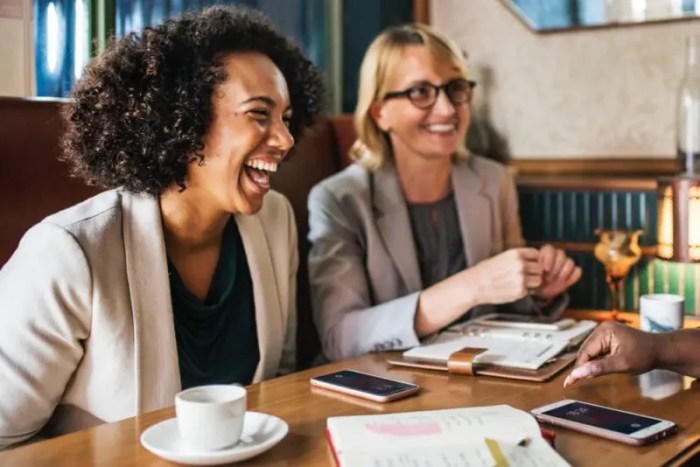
{"points": [[573, 216]]}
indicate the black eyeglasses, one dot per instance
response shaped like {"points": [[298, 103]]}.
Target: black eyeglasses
{"points": [[424, 95]]}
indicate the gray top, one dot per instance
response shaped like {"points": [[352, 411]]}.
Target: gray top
{"points": [[439, 246]]}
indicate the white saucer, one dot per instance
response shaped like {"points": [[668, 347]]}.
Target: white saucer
{"points": [[260, 432]]}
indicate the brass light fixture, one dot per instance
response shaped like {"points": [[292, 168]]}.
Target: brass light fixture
{"points": [[679, 218]]}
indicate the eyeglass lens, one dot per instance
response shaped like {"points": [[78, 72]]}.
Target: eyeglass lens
{"points": [[458, 92]]}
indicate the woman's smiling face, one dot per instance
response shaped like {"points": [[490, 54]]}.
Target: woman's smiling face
{"points": [[433, 132], [248, 136]]}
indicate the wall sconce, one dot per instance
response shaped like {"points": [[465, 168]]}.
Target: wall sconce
{"points": [[679, 219]]}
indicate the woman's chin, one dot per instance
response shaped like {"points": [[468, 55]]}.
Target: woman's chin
{"points": [[250, 204], [249, 197], [437, 154], [439, 151]]}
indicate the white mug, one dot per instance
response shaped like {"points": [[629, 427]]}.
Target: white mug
{"points": [[211, 417], [660, 384], [661, 312]]}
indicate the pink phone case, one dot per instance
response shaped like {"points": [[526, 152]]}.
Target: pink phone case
{"points": [[368, 395], [608, 434]]}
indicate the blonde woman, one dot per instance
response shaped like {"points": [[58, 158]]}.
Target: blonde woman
{"points": [[417, 234]]}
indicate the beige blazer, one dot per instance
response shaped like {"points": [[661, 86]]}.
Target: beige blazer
{"points": [[363, 265], [86, 326]]}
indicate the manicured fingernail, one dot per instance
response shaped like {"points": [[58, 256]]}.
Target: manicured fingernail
{"points": [[567, 381], [583, 371]]}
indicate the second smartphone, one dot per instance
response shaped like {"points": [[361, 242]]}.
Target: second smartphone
{"points": [[365, 385], [617, 425]]}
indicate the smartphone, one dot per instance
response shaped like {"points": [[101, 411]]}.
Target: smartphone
{"points": [[365, 385], [617, 425], [525, 322]]}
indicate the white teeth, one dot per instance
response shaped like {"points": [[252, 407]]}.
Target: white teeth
{"points": [[441, 127], [262, 165]]}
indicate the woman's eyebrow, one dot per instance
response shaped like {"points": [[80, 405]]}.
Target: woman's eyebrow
{"points": [[267, 100], [417, 82]]}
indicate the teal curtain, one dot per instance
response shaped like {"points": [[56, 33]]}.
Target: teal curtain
{"points": [[363, 20], [64, 30], [61, 38], [302, 20]]}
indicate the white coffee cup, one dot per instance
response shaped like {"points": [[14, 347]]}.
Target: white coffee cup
{"points": [[660, 384], [211, 417], [661, 312]]}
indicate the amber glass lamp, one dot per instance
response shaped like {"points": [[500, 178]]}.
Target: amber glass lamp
{"points": [[618, 250], [679, 219]]}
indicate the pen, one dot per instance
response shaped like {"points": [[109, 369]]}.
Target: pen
{"points": [[524, 442], [498, 458]]}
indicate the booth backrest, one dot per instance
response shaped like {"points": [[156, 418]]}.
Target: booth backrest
{"points": [[35, 183], [321, 152]]}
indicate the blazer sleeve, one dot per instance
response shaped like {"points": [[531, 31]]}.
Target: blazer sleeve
{"points": [[44, 320], [347, 322], [513, 238], [288, 362]]}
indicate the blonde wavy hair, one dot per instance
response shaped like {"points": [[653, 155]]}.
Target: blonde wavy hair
{"points": [[372, 148]]}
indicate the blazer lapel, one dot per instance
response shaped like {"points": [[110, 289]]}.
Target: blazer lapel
{"points": [[474, 212], [157, 371], [394, 225], [268, 310]]}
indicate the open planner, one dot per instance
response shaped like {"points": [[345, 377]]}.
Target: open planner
{"points": [[502, 351], [496, 435]]}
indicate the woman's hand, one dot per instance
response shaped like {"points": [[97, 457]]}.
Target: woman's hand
{"points": [[504, 278], [508, 276], [616, 348], [559, 273]]}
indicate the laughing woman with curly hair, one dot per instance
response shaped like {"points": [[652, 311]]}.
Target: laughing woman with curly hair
{"points": [[183, 272]]}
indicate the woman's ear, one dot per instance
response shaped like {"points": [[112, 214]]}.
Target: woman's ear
{"points": [[378, 114]]}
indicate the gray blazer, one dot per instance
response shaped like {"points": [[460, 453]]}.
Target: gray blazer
{"points": [[86, 326], [363, 265]]}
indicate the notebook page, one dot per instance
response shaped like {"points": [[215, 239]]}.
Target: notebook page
{"points": [[537, 454], [430, 428], [471, 454], [573, 335], [513, 353]]}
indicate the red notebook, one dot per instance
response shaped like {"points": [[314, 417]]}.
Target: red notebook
{"points": [[493, 435]]}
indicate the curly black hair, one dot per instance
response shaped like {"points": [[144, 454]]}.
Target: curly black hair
{"points": [[139, 114]]}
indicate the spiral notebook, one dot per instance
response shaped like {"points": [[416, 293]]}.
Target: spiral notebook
{"points": [[478, 436], [505, 352]]}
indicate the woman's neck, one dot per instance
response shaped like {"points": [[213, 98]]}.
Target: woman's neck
{"points": [[424, 180], [189, 223]]}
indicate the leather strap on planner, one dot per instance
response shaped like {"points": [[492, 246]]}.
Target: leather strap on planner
{"points": [[462, 361]]}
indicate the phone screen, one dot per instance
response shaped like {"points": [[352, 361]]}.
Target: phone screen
{"points": [[601, 417], [365, 383]]}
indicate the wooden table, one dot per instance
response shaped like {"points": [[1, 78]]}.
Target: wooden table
{"points": [[689, 322], [292, 399]]}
